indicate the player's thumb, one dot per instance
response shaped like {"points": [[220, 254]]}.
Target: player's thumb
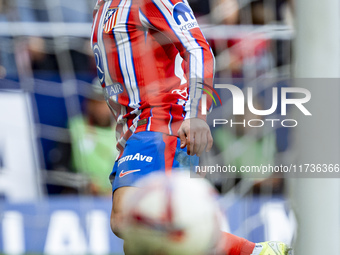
{"points": [[182, 137]]}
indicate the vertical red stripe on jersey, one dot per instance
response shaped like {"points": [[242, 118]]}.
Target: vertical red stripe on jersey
{"points": [[113, 60], [169, 152], [174, 2], [115, 20]]}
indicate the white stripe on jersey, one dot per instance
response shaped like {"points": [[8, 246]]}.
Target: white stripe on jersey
{"points": [[125, 54], [179, 70], [196, 76], [196, 57], [149, 120], [134, 124], [169, 124], [122, 142], [108, 80], [122, 121]]}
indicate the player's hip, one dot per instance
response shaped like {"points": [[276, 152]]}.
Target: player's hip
{"points": [[146, 152]]}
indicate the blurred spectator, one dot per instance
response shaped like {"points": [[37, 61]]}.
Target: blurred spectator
{"points": [[215, 11], [40, 58], [202, 9], [89, 156], [19, 56], [261, 14], [238, 146], [4, 6], [43, 59], [224, 11], [93, 142], [245, 54], [249, 54], [31, 10], [246, 145], [62, 11], [7, 61]]}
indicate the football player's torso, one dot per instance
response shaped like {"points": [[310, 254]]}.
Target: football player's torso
{"points": [[142, 60]]}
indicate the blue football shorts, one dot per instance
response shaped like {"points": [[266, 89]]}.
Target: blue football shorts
{"points": [[147, 152]]}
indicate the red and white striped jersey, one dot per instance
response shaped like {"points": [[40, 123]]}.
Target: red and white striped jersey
{"points": [[152, 59]]}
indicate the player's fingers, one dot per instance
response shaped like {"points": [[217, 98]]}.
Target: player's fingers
{"points": [[209, 141], [203, 144], [190, 143], [197, 143], [182, 137]]}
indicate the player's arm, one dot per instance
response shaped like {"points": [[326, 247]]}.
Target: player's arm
{"points": [[175, 20]]}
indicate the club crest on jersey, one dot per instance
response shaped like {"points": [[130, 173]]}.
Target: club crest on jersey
{"points": [[110, 20], [184, 17]]}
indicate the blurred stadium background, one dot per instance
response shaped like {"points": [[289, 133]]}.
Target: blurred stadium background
{"points": [[55, 127]]}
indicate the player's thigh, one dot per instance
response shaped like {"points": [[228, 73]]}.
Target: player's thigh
{"points": [[144, 153], [117, 207]]}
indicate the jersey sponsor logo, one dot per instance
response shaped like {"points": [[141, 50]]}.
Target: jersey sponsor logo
{"points": [[184, 17], [110, 20], [99, 63], [114, 89], [137, 157], [122, 173]]}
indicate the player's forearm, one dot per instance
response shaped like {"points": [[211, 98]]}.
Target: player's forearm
{"points": [[201, 64]]}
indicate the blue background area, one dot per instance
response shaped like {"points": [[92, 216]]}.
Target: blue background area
{"points": [[37, 217]]}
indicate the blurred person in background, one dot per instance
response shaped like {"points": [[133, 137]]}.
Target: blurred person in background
{"points": [[88, 157], [41, 58], [93, 140], [237, 54], [4, 7], [224, 12], [245, 54], [7, 57], [247, 146], [215, 11]]}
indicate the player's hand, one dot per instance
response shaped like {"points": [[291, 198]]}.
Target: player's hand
{"points": [[195, 134]]}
